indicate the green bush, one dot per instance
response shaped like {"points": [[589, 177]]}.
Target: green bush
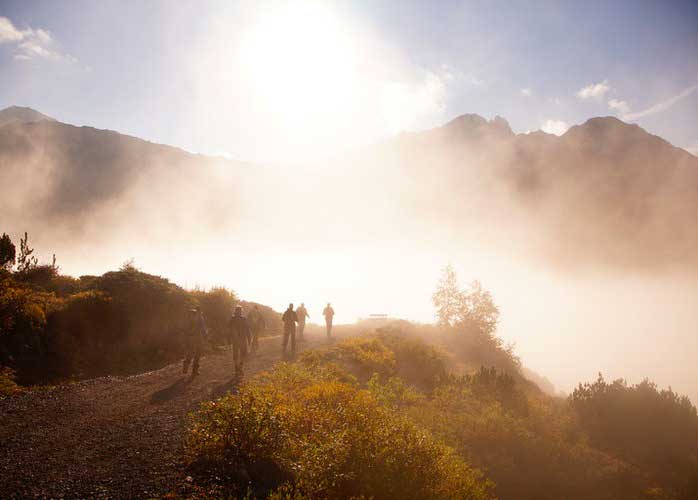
{"points": [[54, 327], [24, 314], [8, 386], [217, 304], [331, 438], [387, 353], [359, 356], [393, 392], [657, 429]]}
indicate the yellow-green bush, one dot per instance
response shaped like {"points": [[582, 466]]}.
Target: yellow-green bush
{"points": [[361, 356], [8, 386], [330, 438], [393, 392], [388, 353], [417, 362]]}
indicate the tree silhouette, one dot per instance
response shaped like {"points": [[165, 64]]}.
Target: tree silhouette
{"points": [[25, 261], [7, 252]]}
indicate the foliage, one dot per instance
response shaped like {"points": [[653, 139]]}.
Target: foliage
{"points": [[54, 326], [393, 392], [272, 319], [656, 428], [330, 438], [471, 316], [469, 310], [359, 356], [8, 386], [447, 297], [25, 260], [217, 304], [531, 445], [387, 353], [24, 314], [417, 362], [7, 252]]}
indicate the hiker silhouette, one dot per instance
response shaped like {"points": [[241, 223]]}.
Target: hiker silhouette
{"points": [[289, 318]]}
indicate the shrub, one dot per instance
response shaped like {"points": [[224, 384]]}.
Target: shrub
{"points": [[217, 305], [416, 361], [393, 392], [23, 319], [331, 438], [360, 356], [655, 428], [8, 386], [387, 353]]}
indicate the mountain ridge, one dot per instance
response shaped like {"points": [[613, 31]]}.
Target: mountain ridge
{"points": [[466, 122], [22, 114], [605, 191]]}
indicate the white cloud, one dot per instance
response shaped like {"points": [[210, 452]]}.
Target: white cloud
{"points": [[31, 43], [526, 92], [619, 106], [8, 32], [661, 106], [594, 90], [556, 127]]}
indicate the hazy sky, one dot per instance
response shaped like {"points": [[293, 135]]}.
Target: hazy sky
{"points": [[285, 81]]}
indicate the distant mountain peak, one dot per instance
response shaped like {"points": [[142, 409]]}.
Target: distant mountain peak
{"points": [[19, 114], [603, 125], [475, 124]]}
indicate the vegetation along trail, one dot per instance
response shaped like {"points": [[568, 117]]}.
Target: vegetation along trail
{"points": [[114, 437]]}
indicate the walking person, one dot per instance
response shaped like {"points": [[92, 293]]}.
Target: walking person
{"points": [[301, 314], [241, 337], [328, 313], [258, 325], [196, 334], [289, 318]]}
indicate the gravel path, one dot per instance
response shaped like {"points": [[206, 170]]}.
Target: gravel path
{"points": [[112, 437]]}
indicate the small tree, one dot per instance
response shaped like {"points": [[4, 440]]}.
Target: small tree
{"points": [[7, 252], [476, 310], [473, 316], [447, 298], [25, 261]]}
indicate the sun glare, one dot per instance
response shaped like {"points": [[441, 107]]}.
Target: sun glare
{"points": [[300, 63]]}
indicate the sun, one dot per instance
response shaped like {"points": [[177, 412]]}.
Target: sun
{"points": [[299, 62]]}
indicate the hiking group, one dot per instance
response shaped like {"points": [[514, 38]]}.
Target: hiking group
{"points": [[244, 332]]}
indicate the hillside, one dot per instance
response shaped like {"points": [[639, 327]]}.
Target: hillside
{"points": [[606, 193], [18, 114], [96, 182], [402, 411]]}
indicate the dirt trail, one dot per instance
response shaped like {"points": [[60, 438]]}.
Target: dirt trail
{"points": [[112, 437]]}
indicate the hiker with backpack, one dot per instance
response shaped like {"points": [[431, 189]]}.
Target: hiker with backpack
{"points": [[241, 337], [196, 334], [289, 318], [257, 324], [328, 313], [301, 314]]}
